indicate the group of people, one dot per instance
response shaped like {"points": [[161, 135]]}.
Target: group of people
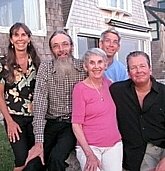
{"points": [[112, 116]]}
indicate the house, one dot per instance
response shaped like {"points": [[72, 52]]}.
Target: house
{"points": [[155, 10], [84, 20], [87, 19]]}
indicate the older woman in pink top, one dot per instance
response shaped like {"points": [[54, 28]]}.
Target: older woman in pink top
{"points": [[94, 123]]}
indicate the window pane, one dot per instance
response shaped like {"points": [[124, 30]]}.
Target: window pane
{"points": [[85, 43], [154, 35], [113, 3], [122, 4], [92, 42], [153, 26], [32, 17], [82, 46], [161, 4], [26, 11], [127, 45], [11, 11]]}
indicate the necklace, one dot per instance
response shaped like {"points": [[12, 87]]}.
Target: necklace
{"points": [[101, 97]]}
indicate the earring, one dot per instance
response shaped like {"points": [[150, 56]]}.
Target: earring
{"points": [[29, 44], [12, 46]]}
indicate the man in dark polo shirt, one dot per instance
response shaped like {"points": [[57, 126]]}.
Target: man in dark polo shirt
{"points": [[140, 103]]}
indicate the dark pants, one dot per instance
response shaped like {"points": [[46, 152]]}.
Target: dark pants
{"points": [[21, 147], [59, 141], [34, 165]]}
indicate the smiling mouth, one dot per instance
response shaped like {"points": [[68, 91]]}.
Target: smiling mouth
{"points": [[20, 44], [97, 71]]}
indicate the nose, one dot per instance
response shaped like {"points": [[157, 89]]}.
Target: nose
{"points": [[138, 68], [96, 65], [111, 43], [20, 37], [60, 47]]}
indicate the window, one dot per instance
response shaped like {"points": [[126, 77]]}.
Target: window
{"points": [[121, 5], [154, 31], [85, 43], [161, 4], [30, 12], [129, 44]]}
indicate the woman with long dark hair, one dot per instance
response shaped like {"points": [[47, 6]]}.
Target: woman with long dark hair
{"points": [[18, 70]]}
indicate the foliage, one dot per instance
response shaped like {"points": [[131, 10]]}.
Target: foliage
{"points": [[6, 155]]}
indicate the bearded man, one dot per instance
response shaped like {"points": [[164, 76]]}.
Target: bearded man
{"points": [[54, 138]]}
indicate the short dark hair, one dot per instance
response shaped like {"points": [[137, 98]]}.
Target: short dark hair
{"points": [[135, 54]]}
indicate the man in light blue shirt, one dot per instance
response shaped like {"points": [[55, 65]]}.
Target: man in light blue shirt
{"points": [[110, 43]]}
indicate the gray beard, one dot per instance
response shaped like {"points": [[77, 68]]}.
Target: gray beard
{"points": [[64, 66]]}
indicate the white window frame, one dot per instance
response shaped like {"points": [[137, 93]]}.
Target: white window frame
{"points": [[42, 15], [141, 36], [127, 10], [82, 32]]}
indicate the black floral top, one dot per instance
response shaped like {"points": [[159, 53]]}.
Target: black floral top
{"points": [[19, 95]]}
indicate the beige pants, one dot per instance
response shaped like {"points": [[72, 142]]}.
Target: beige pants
{"points": [[152, 157]]}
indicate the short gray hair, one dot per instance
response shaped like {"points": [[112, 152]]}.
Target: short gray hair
{"points": [[94, 51], [110, 30]]}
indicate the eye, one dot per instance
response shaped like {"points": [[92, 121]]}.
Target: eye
{"points": [[91, 62], [115, 42], [142, 66], [65, 44], [55, 46], [133, 68], [100, 61], [24, 34], [16, 34]]}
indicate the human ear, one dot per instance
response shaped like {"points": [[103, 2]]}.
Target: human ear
{"points": [[85, 67], [100, 44]]}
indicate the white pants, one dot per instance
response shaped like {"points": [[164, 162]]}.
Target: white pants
{"points": [[110, 157]]}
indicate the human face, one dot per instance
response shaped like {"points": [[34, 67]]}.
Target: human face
{"points": [[139, 70], [95, 66], [110, 44], [20, 40], [61, 47]]}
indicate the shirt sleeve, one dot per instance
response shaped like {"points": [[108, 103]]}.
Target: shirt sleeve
{"points": [[124, 73], [78, 105], [40, 101]]}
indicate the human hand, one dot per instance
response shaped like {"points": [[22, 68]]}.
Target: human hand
{"points": [[13, 130], [161, 165], [92, 163], [35, 151]]}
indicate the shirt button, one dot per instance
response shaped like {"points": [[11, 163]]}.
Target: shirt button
{"points": [[143, 128], [156, 148]]}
